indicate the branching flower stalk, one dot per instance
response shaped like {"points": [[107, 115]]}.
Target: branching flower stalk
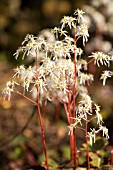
{"points": [[60, 74]]}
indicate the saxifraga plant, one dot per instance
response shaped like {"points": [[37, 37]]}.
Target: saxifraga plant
{"points": [[60, 74]]}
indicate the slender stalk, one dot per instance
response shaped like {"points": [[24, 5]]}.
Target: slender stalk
{"points": [[41, 124], [67, 113], [73, 136], [87, 150], [72, 114], [26, 97], [43, 135], [70, 121], [40, 117]]}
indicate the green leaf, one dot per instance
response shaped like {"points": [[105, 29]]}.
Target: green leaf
{"points": [[103, 154], [16, 153], [66, 152], [107, 167], [52, 163], [82, 158], [96, 160], [99, 144], [19, 140]]}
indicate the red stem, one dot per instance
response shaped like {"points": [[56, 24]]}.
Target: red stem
{"points": [[70, 122], [26, 97], [87, 150], [40, 118], [67, 113], [43, 136], [73, 136]]}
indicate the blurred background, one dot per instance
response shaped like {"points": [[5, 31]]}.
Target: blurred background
{"points": [[19, 17], [17, 121]]}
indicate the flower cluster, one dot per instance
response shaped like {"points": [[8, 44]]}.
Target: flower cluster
{"points": [[55, 75], [85, 108], [93, 132], [9, 88], [101, 58]]}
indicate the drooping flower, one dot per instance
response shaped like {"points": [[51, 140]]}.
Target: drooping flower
{"points": [[9, 88], [82, 31], [106, 74], [84, 77], [101, 58], [92, 135], [99, 116], [105, 131]]}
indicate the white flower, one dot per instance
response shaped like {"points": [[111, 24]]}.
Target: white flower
{"points": [[59, 31], [99, 119], [84, 77], [101, 58], [92, 135], [31, 46], [79, 51], [7, 92], [63, 86], [87, 103], [9, 88], [78, 119], [106, 74], [69, 40], [105, 131], [63, 32], [83, 109], [70, 21], [30, 73], [41, 85], [99, 116], [83, 31], [18, 51], [26, 84], [55, 31], [79, 14], [19, 71], [28, 37]]}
